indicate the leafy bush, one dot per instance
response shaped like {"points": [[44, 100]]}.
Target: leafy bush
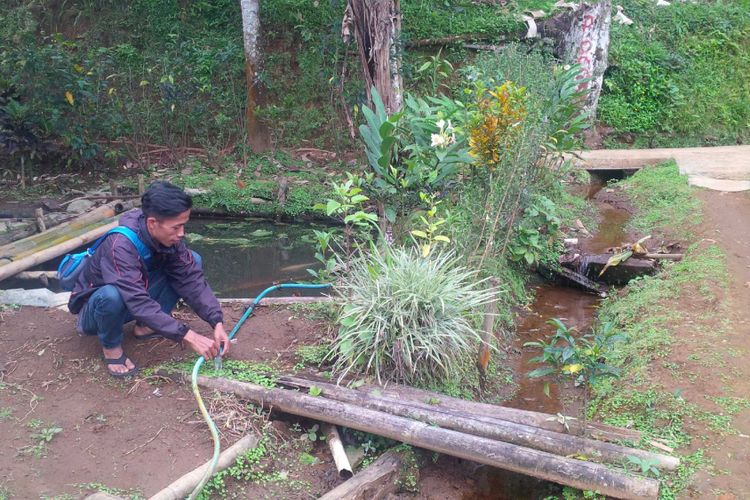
{"points": [[407, 318], [679, 73]]}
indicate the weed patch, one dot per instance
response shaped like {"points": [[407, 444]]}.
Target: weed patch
{"points": [[663, 200]]}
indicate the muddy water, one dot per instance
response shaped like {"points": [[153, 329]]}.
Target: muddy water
{"points": [[576, 309]]}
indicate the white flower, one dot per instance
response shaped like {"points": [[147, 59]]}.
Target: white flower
{"points": [[440, 124], [439, 140]]}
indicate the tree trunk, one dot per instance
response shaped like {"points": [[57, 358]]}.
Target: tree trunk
{"points": [[586, 42], [377, 28], [566, 471], [250, 36]]}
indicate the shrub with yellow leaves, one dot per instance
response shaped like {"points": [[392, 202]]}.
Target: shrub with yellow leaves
{"points": [[495, 124]]}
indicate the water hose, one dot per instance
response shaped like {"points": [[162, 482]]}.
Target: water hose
{"points": [[217, 363]]}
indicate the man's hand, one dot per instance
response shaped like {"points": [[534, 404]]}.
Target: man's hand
{"points": [[202, 345], [221, 339]]}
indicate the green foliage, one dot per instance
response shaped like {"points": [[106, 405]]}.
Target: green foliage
{"points": [[663, 199], [348, 206], [407, 318], [680, 72], [434, 70], [313, 355], [416, 150], [582, 359], [245, 468], [42, 437], [645, 466], [534, 239]]}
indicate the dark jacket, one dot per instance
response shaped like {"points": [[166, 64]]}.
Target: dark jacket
{"points": [[117, 262]]}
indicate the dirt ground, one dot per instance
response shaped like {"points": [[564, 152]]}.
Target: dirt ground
{"points": [[727, 221], [121, 434]]}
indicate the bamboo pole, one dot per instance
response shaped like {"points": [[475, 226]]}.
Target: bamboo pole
{"points": [[38, 240], [60, 238], [32, 260], [184, 485], [333, 439], [526, 417], [566, 471], [493, 428]]}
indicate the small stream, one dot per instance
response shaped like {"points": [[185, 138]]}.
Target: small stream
{"points": [[575, 308]]}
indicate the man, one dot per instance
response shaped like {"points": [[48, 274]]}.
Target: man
{"points": [[117, 287]]}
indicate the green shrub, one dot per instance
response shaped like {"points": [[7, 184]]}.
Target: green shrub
{"points": [[407, 318]]}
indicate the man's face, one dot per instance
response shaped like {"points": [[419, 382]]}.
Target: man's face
{"points": [[170, 230]]}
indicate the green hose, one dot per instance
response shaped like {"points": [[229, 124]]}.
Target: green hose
{"points": [[217, 362]]}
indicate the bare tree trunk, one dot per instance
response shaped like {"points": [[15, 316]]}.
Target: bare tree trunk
{"points": [[377, 27], [587, 43], [250, 35]]}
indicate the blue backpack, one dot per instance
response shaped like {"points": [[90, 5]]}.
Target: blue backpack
{"points": [[73, 265]]}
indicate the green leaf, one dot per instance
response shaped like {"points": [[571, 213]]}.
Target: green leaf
{"points": [[332, 206], [315, 391], [541, 372], [419, 234]]}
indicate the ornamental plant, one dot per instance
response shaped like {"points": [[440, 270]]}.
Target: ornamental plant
{"points": [[407, 318], [495, 124]]}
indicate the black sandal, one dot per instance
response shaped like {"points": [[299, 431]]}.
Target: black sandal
{"points": [[120, 361]]}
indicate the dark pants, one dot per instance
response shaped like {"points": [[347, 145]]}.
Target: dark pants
{"points": [[105, 312]]}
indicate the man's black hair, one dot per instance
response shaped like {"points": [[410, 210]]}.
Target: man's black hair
{"points": [[163, 199]]}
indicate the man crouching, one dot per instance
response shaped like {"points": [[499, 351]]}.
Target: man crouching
{"points": [[118, 285]]}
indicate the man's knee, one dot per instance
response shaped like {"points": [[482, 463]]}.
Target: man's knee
{"points": [[197, 258], [109, 300]]}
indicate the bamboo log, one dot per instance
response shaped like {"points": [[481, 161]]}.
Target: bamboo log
{"points": [[378, 480], [61, 238], [40, 240], [566, 471], [184, 485], [333, 439], [526, 417], [32, 260], [493, 428], [30, 228]]}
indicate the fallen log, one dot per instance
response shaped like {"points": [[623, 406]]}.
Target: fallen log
{"points": [[566, 471], [183, 486], [532, 418], [587, 284], [378, 480], [493, 428]]}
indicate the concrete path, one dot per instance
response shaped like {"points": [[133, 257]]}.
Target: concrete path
{"points": [[723, 168]]}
